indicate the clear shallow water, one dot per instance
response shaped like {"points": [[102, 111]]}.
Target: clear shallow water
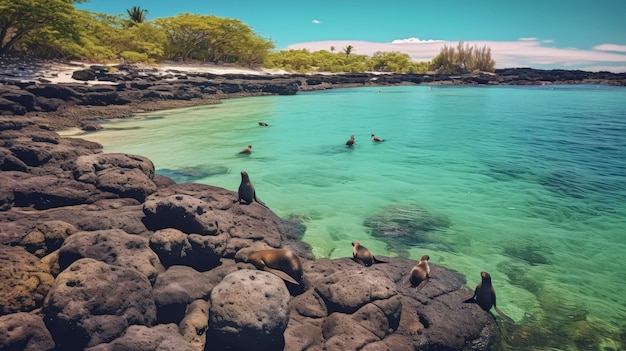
{"points": [[526, 183]]}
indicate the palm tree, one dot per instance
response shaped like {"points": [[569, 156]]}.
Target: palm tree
{"points": [[332, 49], [348, 50], [137, 15]]}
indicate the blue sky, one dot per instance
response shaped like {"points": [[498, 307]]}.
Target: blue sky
{"points": [[538, 33]]}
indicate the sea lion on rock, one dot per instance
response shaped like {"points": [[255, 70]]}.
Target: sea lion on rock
{"points": [[377, 139], [351, 142], [246, 193], [283, 263], [420, 273], [247, 150], [363, 255], [485, 296]]}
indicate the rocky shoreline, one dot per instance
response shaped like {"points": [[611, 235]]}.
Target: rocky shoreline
{"points": [[98, 252], [123, 91]]}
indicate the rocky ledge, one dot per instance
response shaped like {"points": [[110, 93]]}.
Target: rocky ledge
{"points": [[97, 252], [122, 91]]}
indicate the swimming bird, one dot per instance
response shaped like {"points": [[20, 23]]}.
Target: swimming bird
{"points": [[377, 139]]}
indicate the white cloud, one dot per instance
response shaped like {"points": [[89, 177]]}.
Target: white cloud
{"points": [[316, 21], [414, 40], [527, 39], [547, 41], [610, 47], [520, 53]]}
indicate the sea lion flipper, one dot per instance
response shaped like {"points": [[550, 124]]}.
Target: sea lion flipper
{"points": [[260, 202], [379, 261], [282, 275], [504, 315], [421, 285]]}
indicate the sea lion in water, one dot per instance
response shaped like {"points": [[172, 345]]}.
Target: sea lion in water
{"points": [[283, 263], [246, 193], [363, 255], [351, 141], [247, 150], [263, 124], [377, 139], [485, 296], [420, 273]]}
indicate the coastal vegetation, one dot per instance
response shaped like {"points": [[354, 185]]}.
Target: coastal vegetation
{"points": [[56, 29]]}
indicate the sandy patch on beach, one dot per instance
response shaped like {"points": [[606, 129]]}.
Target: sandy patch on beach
{"points": [[29, 69]]}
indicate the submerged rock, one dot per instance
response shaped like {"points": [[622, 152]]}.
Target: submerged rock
{"points": [[404, 226]]}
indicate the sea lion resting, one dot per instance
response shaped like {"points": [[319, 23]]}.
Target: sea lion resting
{"points": [[363, 255], [283, 263], [246, 193], [420, 273], [485, 296]]}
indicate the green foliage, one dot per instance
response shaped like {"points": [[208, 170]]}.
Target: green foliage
{"points": [[324, 61], [463, 59], [19, 18], [212, 39]]}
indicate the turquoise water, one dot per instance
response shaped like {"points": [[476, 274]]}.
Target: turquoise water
{"points": [[526, 183]]}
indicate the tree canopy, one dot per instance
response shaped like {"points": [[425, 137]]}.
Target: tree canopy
{"points": [[19, 18]]}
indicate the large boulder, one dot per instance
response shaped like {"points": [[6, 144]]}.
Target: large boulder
{"points": [[201, 252], [47, 237], [49, 191], [183, 212], [122, 174], [25, 280], [114, 247], [92, 302], [24, 331], [250, 311]]}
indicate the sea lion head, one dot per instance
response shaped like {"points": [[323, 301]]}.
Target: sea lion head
{"points": [[244, 176], [424, 258]]}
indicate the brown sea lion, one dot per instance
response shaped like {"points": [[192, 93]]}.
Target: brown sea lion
{"points": [[420, 273], [363, 255], [263, 124], [283, 263], [377, 139], [485, 296], [246, 193], [351, 141], [247, 150]]}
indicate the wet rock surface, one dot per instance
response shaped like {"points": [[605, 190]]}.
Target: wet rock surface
{"points": [[104, 267]]}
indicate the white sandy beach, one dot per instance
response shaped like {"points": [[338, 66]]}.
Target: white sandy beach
{"points": [[24, 69]]}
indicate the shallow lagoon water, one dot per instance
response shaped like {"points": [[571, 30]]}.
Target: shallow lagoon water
{"points": [[529, 181]]}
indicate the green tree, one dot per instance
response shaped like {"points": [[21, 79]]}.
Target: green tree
{"points": [[212, 39], [19, 18], [136, 15]]}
